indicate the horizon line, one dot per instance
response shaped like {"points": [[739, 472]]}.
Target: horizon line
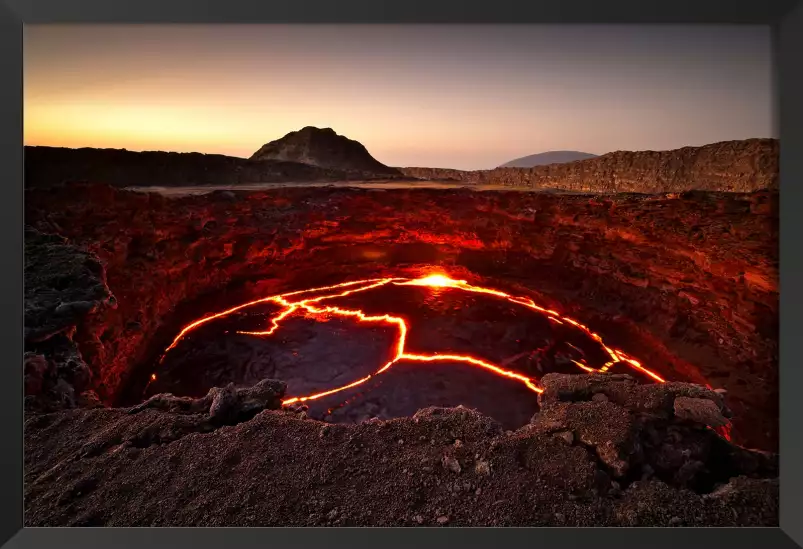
{"points": [[410, 166]]}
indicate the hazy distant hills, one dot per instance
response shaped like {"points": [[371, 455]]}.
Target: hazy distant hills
{"points": [[549, 157], [324, 148]]}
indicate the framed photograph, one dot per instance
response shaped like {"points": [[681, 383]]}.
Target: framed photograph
{"points": [[386, 274]]}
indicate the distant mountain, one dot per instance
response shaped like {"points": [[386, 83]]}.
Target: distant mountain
{"points": [[550, 157], [324, 148]]}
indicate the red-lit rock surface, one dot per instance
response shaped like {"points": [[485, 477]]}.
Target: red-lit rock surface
{"points": [[687, 284], [738, 166]]}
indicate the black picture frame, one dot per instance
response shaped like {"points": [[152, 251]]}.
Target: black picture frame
{"points": [[784, 16]]}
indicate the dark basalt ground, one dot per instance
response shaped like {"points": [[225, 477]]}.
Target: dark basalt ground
{"points": [[688, 284], [603, 451]]}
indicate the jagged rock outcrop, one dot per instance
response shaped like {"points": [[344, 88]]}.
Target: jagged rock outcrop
{"points": [[582, 462], [324, 148], [224, 405], [63, 285], [733, 166], [649, 428]]}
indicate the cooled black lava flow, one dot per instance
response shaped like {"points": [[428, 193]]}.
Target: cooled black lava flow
{"points": [[313, 355]]}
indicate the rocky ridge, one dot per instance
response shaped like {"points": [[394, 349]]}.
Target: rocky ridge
{"points": [[733, 166]]}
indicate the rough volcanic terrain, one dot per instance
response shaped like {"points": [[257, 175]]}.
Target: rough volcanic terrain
{"points": [[735, 166], [602, 451], [320, 155], [687, 283]]}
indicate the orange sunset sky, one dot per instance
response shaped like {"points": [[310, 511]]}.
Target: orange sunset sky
{"points": [[466, 97]]}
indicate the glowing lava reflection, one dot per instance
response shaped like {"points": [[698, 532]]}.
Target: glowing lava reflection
{"points": [[294, 302]]}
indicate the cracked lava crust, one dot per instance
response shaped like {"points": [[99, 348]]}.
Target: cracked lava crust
{"points": [[297, 340], [321, 365]]}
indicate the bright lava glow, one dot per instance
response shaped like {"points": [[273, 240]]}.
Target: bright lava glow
{"points": [[436, 281], [294, 302]]}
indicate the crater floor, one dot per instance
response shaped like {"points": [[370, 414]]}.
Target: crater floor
{"points": [[388, 347]]}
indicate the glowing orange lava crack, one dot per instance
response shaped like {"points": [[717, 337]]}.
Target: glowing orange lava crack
{"points": [[433, 281]]}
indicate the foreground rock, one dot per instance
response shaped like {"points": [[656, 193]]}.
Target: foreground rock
{"points": [[638, 431], [226, 405], [584, 461]]}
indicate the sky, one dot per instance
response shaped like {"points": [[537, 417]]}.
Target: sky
{"points": [[448, 96]]}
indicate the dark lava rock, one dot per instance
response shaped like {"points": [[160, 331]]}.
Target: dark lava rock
{"points": [[684, 400], [206, 474], [605, 427], [699, 410], [224, 405], [62, 285], [637, 429], [35, 369], [89, 399]]}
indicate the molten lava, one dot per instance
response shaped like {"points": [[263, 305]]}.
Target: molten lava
{"points": [[292, 303]]}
